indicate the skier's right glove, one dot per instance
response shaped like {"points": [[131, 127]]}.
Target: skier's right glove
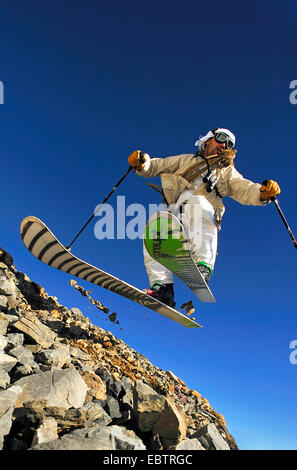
{"points": [[137, 159]]}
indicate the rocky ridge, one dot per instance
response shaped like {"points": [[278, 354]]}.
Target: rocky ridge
{"points": [[67, 384]]}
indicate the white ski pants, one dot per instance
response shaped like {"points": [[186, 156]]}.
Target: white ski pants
{"points": [[197, 218]]}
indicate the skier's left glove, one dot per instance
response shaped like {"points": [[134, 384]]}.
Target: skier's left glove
{"points": [[137, 159], [269, 189]]}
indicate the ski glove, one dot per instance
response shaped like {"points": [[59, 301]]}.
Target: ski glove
{"points": [[137, 159], [269, 189]]}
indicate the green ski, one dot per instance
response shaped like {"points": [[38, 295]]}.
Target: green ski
{"points": [[166, 241]]}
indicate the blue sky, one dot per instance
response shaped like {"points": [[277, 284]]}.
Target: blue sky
{"points": [[87, 83]]}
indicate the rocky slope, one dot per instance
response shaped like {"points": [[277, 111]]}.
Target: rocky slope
{"points": [[67, 384]]}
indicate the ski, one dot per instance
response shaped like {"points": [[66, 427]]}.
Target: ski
{"points": [[166, 241], [43, 244]]}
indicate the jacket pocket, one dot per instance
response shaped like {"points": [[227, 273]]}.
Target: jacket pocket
{"points": [[173, 185]]}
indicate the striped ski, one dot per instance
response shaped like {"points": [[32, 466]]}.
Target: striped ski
{"points": [[43, 244]]}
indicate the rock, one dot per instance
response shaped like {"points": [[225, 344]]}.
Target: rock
{"points": [[54, 324], [115, 388], [94, 412], [59, 387], [4, 378], [126, 400], [79, 354], [211, 439], [76, 314], [3, 342], [96, 388], [125, 439], [3, 305], [173, 376], [14, 339], [95, 438], [7, 362], [3, 320], [47, 431], [35, 330], [105, 375], [57, 356], [6, 258], [34, 348], [112, 407], [147, 406], [22, 354], [11, 318], [189, 444], [24, 370], [89, 414], [75, 331], [172, 423], [7, 286], [7, 402]]}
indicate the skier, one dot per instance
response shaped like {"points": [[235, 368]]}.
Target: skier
{"points": [[182, 191]]}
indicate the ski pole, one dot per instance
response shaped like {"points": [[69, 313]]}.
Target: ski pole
{"points": [[103, 202], [275, 201], [284, 221]]}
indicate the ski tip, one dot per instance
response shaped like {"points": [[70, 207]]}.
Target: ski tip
{"points": [[29, 219]]}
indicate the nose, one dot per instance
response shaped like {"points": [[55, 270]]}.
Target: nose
{"points": [[221, 146]]}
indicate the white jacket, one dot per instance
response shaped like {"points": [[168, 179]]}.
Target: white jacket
{"points": [[229, 182]]}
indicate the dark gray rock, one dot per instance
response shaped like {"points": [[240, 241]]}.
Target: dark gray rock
{"points": [[211, 439], [54, 324], [105, 375], [112, 407]]}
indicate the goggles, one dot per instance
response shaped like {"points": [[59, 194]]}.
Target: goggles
{"points": [[223, 137]]}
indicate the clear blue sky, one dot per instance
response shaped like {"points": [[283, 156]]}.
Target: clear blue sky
{"points": [[87, 83]]}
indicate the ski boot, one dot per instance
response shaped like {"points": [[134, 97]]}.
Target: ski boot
{"points": [[206, 271], [5, 257], [162, 292]]}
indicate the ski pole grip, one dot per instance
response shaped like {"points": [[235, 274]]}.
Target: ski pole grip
{"points": [[272, 198]]}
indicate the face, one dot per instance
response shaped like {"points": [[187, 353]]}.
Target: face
{"points": [[213, 147]]}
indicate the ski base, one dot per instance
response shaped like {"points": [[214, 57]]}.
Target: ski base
{"points": [[166, 242]]}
